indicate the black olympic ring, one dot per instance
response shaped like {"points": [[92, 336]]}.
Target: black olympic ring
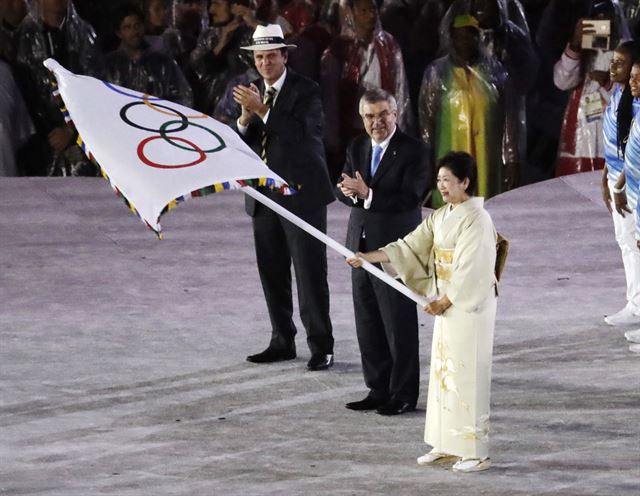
{"points": [[163, 132], [125, 109]]}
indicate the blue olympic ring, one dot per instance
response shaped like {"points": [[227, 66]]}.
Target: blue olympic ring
{"points": [[143, 97]]}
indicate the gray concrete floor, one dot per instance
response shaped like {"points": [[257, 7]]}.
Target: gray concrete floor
{"points": [[122, 358]]}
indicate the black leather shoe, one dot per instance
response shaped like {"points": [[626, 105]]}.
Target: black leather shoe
{"points": [[369, 403], [272, 355], [396, 407], [320, 362]]}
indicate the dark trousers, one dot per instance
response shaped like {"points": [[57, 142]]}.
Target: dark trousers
{"points": [[279, 243], [387, 329]]}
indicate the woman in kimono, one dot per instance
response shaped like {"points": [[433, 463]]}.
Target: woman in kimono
{"points": [[451, 256]]}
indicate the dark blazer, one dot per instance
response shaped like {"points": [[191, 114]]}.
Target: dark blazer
{"points": [[295, 149], [402, 179]]}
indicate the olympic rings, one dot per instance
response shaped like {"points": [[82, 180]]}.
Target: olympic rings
{"points": [[144, 158], [180, 120], [125, 109], [163, 134], [118, 90]]}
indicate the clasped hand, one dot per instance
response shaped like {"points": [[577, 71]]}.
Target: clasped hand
{"points": [[250, 100], [353, 187], [437, 307]]}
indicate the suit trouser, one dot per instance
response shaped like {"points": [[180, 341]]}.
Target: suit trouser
{"points": [[278, 243], [624, 228], [387, 330]]}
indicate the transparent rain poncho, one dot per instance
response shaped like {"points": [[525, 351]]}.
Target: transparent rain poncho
{"points": [[463, 107], [15, 125], [581, 140], [154, 73], [77, 50], [214, 72], [176, 40], [506, 38], [74, 46], [348, 69]]}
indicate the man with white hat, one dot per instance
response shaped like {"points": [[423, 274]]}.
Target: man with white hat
{"points": [[282, 121]]}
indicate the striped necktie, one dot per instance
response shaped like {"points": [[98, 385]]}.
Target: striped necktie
{"points": [[269, 95]]}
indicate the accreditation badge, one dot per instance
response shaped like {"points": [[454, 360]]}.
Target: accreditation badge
{"points": [[593, 106]]}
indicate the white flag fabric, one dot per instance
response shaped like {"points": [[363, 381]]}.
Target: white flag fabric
{"points": [[156, 153]]}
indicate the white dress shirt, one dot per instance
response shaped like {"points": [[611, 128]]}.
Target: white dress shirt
{"points": [[276, 86]]}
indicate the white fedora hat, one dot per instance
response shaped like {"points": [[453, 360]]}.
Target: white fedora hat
{"points": [[268, 37]]}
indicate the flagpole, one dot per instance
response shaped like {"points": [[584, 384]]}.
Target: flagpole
{"points": [[305, 226]]}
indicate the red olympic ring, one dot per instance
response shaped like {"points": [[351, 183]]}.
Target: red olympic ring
{"points": [[144, 159]]}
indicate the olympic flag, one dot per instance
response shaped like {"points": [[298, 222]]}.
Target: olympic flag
{"points": [[156, 153]]}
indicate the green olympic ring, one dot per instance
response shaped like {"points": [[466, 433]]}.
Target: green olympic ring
{"points": [[163, 133]]}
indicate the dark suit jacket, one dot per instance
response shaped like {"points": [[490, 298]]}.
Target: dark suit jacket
{"points": [[402, 179], [295, 150]]}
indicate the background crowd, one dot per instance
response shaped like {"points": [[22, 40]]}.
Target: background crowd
{"points": [[510, 83]]}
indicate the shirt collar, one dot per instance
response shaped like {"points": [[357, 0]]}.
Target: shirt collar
{"points": [[278, 84], [385, 143]]}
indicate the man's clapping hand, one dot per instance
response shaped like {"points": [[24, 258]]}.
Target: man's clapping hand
{"points": [[353, 187]]}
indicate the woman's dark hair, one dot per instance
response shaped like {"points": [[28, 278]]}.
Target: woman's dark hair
{"points": [[463, 166], [624, 114]]}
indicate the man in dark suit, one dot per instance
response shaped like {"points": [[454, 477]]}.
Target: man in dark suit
{"points": [[282, 121], [384, 180]]}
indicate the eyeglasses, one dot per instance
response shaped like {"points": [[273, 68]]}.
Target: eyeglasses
{"points": [[382, 116]]}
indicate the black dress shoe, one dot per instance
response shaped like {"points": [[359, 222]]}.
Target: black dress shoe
{"points": [[369, 403], [272, 355], [396, 407], [320, 362]]}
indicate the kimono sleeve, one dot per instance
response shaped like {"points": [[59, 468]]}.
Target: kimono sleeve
{"points": [[474, 259], [411, 258]]}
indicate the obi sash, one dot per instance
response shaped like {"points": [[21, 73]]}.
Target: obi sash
{"points": [[443, 258]]}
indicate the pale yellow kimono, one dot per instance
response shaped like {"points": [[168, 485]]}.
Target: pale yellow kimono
{"points": [[453, 252]]}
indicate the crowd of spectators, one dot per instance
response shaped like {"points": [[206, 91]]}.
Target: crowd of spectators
{"points": [[509, 81]]}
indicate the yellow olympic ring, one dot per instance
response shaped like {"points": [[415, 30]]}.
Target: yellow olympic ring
{"points": [[145, 99]]}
